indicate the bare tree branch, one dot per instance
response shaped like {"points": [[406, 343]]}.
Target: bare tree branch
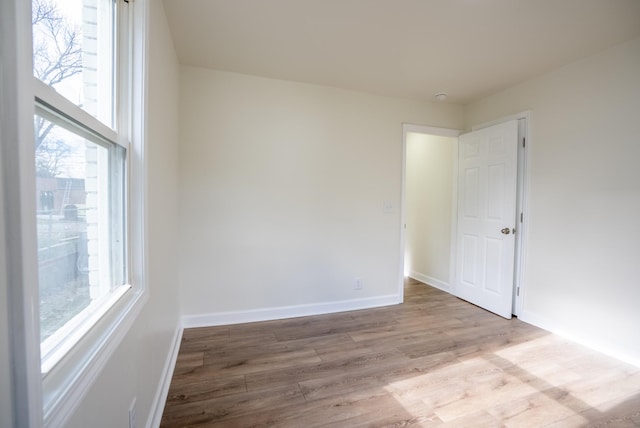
{"points": [[50, 156], [57, 50], [43, 127], [57, 56], [42, 10]]}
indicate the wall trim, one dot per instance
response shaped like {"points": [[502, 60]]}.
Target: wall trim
{"points": [[283, 312], [160, 398], [552, 327], [431, 130], [431, 281]]}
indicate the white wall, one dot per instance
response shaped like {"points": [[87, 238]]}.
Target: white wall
{"points": [[136, 368], [582, 270], [429, 191], [282, 187]]}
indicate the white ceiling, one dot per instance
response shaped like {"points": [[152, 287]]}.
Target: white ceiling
{"points": [[403, 48]]}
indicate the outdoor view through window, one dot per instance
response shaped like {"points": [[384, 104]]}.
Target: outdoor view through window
{"points": [[80, 171]]}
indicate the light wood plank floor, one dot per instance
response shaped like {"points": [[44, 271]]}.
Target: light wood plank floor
{"points": [[432, 361]]}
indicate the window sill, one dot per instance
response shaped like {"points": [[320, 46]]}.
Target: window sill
{"points": [[55, 347], [67, 381]]}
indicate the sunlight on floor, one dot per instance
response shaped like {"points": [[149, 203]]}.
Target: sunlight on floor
{"points": [[538, 382]]}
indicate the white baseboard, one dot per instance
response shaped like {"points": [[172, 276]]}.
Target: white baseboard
{"points": [[160, 399], [437, 283], [545, 324], [268, 314]]}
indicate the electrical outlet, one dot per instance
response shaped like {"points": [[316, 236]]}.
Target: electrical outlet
{"points": [[358, 284], [132, 414]]}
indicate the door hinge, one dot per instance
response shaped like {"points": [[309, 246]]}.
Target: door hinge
{"points": [[524, 140], [517, 291], [521, 217]]}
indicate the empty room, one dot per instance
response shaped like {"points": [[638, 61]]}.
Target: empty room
{"points": [[319, 213]]}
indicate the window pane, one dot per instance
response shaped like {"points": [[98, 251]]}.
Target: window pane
{"points": [[80, 224], [73, 52]]}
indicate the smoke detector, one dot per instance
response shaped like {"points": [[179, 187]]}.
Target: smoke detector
{"points": [[440, 96]]}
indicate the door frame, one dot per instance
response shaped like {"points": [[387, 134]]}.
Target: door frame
{"points": [[439, 132], [522, 205]]}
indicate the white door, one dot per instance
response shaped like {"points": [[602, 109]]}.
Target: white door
{"points": [[487, 186]]}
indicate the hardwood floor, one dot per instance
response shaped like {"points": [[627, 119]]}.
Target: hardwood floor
{"points": [[432, 361]]}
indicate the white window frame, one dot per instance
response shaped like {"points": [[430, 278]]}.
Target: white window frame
{"points": [[51, 401]]}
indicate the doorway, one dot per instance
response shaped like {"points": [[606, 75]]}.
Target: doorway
{"points": [[430, 157], [420, 241], [429, 166]]}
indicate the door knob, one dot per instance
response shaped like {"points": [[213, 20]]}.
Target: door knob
{"points": [[506, 231]]}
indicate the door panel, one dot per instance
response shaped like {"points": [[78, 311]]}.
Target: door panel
{"points": [[469, 261], [487, 180], [471, 182]]}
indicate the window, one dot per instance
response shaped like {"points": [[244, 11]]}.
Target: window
{"points": [[87, 182], [79, 168], [80, 221]]}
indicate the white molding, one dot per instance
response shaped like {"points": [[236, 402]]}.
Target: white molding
{"points": [[403, 211], [16, 126], [431, 130], [431, 281], [64, 403], [525, 226], [160, 398], [453, 249], [66, 109], [67, 338], [606, 349], [283, 312], [137, 160], [521, 115]]}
